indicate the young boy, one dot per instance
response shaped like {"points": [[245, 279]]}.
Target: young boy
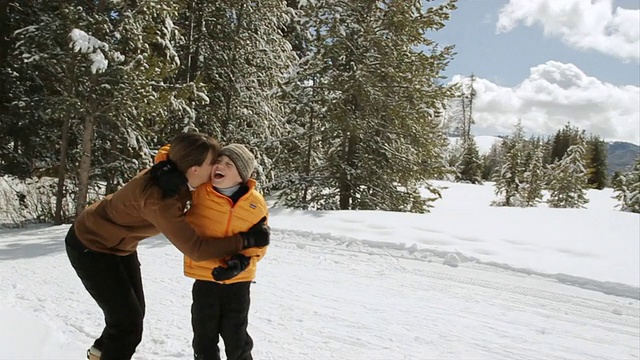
{"points": [[228, 205]]}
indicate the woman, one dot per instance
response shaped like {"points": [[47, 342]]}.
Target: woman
{"points": [[102, 242]]}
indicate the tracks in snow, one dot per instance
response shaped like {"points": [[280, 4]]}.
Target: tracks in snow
{"points": [[620, 315]]}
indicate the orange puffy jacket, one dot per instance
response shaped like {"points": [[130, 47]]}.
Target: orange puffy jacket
{"points": [[214, 214], [163, 154]]}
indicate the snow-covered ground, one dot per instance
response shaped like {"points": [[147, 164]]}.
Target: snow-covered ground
{"points": [[519, 284]]}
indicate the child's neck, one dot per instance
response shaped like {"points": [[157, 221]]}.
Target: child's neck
{"points": [[228, 191]]}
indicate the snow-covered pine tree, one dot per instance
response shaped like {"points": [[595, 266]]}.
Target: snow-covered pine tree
{"points": [[453, 158], [510, 175], [301, 169], [468, 96], [533, 179], [378, 96], [568, 179], [237, 54], [42, 89], [304, 175], [295, 34], [27, 129], [627, 189], [491, 161], [101, 66], [141, 39], [596, 163], [470, 166], [6, 121], [565, 138]]}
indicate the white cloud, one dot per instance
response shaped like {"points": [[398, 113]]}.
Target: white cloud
{"points": [[583, 24], [554, 94]]}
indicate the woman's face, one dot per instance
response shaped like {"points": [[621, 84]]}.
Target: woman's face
{"points": [[198, 175]]}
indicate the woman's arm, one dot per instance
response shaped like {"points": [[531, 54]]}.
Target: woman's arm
{"points": [[168, 217]]}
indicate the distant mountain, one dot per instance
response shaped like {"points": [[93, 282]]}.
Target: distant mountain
{"points": [[621, 156]]}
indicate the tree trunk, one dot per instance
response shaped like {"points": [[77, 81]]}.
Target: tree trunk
{"points": [[307, 165], [5, 30], [464, 119], [346, 186], [62, 170], [64, 149], [472, 95], [349, 148], [85, 162]]}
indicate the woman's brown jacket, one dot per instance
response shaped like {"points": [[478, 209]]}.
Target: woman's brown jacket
{"points": [[137, 211]]}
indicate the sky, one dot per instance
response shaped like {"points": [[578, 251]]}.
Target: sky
{"points": [[513, 283], [549, 62]]}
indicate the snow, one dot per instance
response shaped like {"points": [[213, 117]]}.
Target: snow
{"points": [[484, 143], [466, 281], [87, 44], [551, 241]]}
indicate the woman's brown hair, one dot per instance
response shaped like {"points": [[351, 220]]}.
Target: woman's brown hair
{"points": [[192, 149], [187, 150]]}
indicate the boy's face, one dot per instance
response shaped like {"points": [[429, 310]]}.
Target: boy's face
{"points": [[224, 173]]}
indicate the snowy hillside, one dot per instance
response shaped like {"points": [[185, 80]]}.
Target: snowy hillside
{"points": [[520, 284]]}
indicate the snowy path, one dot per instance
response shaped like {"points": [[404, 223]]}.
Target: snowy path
{"points": [[319, 297]]}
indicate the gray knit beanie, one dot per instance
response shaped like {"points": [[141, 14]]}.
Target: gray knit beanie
{"points": [[243, 159]]}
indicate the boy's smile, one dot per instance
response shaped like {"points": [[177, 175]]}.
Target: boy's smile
{"points": [[224, 173], [218, 174]]}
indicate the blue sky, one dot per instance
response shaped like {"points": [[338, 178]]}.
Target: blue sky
{"points": [[549, 63], [505, 58]]}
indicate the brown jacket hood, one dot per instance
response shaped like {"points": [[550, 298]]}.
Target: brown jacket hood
{"points": [[137, 211]]}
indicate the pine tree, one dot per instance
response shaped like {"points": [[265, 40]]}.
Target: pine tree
{"points": [[41, 74], [468, 96], [6, 28], [568, 180], [491, 161], [373, 105], [627, 189], [27, 128], [533, 179], [458, 112], [100, 67], [293, 32], [470, 166], [510, 176], [238, 57], [453, 158], [596, 163], [563, 140]]}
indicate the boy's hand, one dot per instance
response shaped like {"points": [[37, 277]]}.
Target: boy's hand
{"points": [[235, 265], [257, 235]]}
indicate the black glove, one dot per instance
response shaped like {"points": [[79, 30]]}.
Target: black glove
{"points": [[235, 265], [257, 235]]}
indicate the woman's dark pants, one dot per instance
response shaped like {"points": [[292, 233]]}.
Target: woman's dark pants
{"points": [[115, 284]]}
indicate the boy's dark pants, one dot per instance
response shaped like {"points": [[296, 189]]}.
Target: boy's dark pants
{"points": [[116, 285], [220, 309]]}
